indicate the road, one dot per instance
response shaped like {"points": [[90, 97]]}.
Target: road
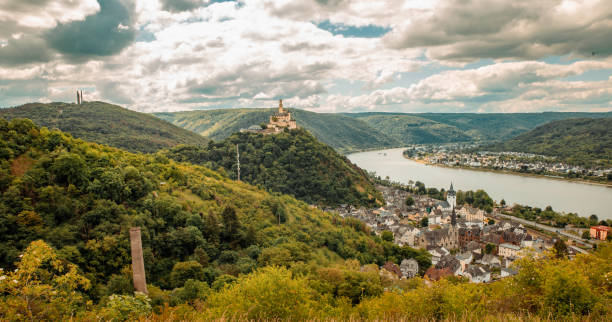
{"points": [[558, 231]]}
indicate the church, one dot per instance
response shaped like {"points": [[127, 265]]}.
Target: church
{"points": [[451, 200]]}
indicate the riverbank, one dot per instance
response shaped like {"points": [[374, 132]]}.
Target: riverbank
{"points": [[533, 175]]}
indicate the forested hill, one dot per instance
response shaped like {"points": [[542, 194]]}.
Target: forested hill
{"points": [[342, 133], [293, 162], [198, 226], [580, 141], [106, 124], [460, 127], [349, 132]]}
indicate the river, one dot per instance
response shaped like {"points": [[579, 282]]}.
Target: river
{"points": [[581, 198]]}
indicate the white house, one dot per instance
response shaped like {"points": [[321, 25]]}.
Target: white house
{"points": [[409, 268], [509, 250]]}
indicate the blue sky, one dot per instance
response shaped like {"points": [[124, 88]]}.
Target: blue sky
{"points": [[320, 55]]}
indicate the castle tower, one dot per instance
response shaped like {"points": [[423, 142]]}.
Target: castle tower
{"points": [[451, 197], [280, 107]]}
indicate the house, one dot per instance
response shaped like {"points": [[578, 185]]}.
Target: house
{"points": [[435, 274], [600, 232], [477, 274], [467, 235], [509, 250], [437, 253], [409, 236], [465, 259], [473, 246], [491, 260], [451, 263], [409, 267]]}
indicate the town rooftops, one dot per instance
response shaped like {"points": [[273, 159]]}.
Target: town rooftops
{"points": [[506, 245]]}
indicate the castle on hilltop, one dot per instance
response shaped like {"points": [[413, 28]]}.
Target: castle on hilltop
{"points": [[279, 121]]}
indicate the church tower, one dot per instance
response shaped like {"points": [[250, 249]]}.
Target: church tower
{"points": [[451, 197]]}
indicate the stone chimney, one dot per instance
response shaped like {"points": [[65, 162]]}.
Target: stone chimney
{"points": [[138, 269]]}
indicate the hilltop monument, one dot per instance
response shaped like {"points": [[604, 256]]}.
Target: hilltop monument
{"points": [[281, 119]]}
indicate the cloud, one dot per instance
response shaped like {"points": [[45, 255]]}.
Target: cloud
{"points": [[182, 5], [468, 30], [28, 15], [103, 34], [25, 50]]}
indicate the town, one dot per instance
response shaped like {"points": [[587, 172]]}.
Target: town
{"points": [[463, 241], [454, 155]]}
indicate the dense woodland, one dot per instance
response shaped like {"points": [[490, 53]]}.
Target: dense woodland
{"points": [[106, 124], [586, 142], [293, 162], [200, 229], [460, 127]]}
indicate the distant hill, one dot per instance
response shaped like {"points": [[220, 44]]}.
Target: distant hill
{"points": [[409, 129], [581, 141], [460, 127], [343, 133], [107, 124], [293, 162], [347, 132]]}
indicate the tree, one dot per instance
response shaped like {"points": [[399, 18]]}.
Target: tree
{"points": [[560, 249], [43, 287], [586, 235], [491, 221], [387, 236], [489, 248], [409, 201], [424, 222], [183, 271], [502, 203]]}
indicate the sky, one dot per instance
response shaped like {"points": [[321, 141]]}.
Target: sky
{"points": [[319, 55]]}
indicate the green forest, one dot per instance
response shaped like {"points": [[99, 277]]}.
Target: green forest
{"points": [[106, 124], [67, 206], [585, 141], [293, 162]]}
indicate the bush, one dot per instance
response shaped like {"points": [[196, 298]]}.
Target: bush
{"points": [[183, 271]]}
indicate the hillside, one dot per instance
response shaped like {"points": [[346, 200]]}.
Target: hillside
{"points": [[216, 248], [578, 141], [348, 132], [106, 124], [410, 129], [343, 133], [460, 127], [81, 198], [294, 163]]}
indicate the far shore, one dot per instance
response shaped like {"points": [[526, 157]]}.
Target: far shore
{"points": [[534, 175]]}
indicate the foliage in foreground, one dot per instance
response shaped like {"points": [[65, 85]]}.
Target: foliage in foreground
{"points": [[543, 289], [199, 228]]}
